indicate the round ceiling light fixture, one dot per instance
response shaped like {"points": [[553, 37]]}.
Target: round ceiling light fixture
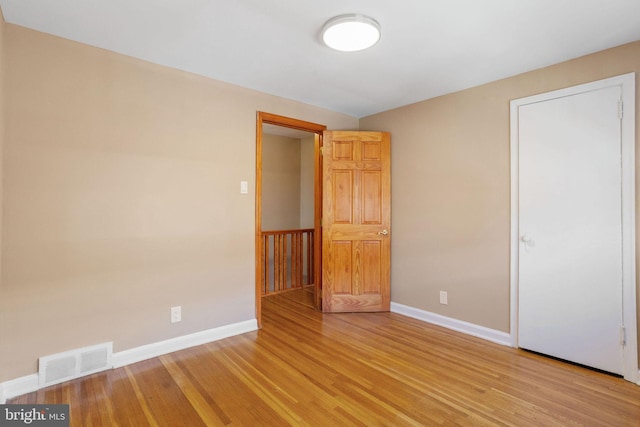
{"points": [[351, 32]]}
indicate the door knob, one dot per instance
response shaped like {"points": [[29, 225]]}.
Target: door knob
{"points": [[383, 232], [527, 239]]}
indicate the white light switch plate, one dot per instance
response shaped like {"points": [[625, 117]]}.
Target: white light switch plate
{"points": [[443, 298], [244, 187]]}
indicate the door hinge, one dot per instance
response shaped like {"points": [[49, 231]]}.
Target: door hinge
{"points": [[320, 222], [322, 151], [623, 336], [620, 109]]}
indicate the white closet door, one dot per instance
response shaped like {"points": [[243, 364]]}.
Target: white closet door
{"points": [[570, 255]]}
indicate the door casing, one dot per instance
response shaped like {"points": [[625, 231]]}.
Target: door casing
{"points": [[627, 83], [317, 129]]}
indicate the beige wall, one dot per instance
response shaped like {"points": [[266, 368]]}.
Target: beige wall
{"points": [[280, 182], [287, 182], [121, 196], [450, 200]]}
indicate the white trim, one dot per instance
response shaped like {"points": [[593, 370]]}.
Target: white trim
{"points": [[627, 84], [514, 241], [488, 334], [149, 351], [18, 387], [629, 309], [28, 384]]}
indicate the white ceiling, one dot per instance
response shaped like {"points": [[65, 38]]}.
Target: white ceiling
{"points": [[428, 47]]}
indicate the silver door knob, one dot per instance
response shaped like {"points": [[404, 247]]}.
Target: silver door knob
{"points": [[383, 232], [526, 238]]}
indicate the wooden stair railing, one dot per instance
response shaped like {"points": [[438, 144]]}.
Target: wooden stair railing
{"points": [[287, 260]]}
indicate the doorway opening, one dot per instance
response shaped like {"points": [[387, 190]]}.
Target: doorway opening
{"points": [[288, 207]]}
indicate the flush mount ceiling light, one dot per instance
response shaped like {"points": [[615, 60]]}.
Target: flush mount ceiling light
{"points": [[350, 33]]}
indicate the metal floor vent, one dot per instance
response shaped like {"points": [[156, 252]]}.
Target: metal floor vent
{"points": [[66, 366]]}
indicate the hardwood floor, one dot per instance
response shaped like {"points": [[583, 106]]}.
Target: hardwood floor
{"points": [[306, 368]]}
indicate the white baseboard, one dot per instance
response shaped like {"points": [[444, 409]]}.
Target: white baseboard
{"points": [[498, 337], [144, 352], [18, 387], [29, 383]]}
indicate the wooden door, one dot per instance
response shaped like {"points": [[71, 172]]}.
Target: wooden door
{"points": [[356, 223]]}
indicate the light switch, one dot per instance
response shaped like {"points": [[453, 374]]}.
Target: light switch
{"points": [[244, 187]]}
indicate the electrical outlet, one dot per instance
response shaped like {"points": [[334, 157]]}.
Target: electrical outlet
{"points": [[443, 297], [176, 314]]}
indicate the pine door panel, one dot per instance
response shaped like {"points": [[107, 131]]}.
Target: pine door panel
{"points": [[343, 197], [371, 197]]}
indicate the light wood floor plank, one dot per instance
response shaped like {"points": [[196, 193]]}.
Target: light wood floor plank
{"points": [[309, 368]]}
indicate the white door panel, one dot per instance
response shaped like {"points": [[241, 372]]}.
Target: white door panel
{"points": [[570, 257]]}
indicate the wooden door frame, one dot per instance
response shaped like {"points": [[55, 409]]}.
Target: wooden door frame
{"points": [[627, 83], [317, 129]]}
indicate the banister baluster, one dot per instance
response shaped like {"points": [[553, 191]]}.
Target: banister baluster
{"points": [[291, 249]]}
